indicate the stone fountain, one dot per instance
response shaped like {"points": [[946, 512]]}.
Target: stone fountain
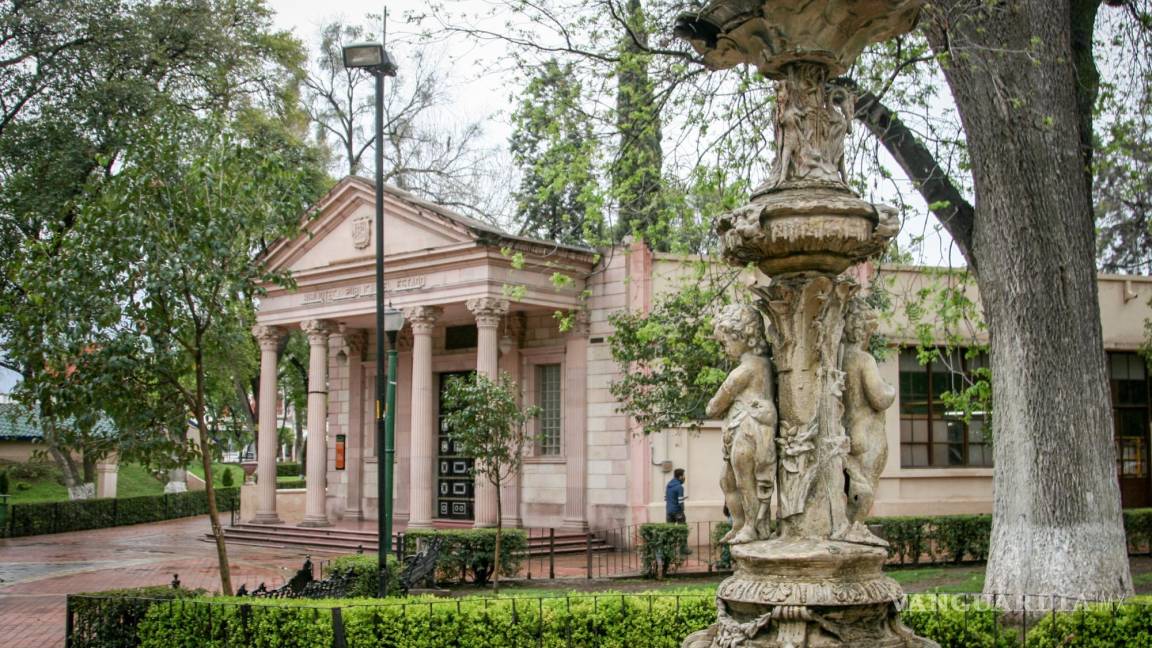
{"points": [[804, 440]]}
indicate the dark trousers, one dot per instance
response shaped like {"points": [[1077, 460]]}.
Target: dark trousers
{"points": [[676, 518]]}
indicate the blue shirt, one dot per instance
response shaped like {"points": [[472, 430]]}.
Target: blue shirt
{"points": [[674, 496]]}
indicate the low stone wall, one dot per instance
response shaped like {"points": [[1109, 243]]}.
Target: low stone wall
{"points": [[289, 503]]}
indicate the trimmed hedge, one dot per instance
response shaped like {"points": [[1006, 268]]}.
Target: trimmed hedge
{"points": [[364, 568], [659, 620], [111, 618], [81, 515], [288, 470], [467, 553], [291, 483], [722, 553], [960, 538], [663, 548]]}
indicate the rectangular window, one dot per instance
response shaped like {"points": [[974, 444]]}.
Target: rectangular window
{"points": [[460, 337], [1128, 380], [930, 434], [548, 399]]}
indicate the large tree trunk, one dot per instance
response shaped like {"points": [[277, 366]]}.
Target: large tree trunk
{"points": [[1057, 526]]}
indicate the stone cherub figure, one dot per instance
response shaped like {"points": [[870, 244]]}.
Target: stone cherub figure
{"points": [[745, 402], [866, 397]]}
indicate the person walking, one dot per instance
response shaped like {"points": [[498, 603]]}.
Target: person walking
{"points": [[674, 498]]}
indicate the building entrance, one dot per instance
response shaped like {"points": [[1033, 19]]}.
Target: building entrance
{"points": [[455, 489]]}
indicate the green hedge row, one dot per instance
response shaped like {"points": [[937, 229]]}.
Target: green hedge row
{"points": [[589, 621], [363, 567], [291, 483], [959, 538], [466, 554], [288, 470], [80, 515]]}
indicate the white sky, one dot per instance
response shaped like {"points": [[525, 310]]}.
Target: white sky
{"points": [[483, 92]]}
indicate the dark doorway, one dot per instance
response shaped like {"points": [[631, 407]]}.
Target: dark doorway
{"points": [[455, 486], [1128, 379]]}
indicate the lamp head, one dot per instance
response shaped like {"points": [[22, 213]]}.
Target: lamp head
{"points": [[369, 56]]}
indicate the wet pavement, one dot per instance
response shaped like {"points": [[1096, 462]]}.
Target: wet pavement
{"points": [[38, 571]]}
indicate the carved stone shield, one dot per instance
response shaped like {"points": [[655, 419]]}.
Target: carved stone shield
{"points": [[361, 231]]}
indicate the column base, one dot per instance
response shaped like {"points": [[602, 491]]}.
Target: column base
{"points": [[484, 525], [419, 524], [313, 523], [353, 514], [578, 526], [266, 518]]}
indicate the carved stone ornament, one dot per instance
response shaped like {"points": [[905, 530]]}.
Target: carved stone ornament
{"points": [[771, 34], [803, 410], [422, 319], [268, 337], [317, 331], [361, 231], [487, 310]]}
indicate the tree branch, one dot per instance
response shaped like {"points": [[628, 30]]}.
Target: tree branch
{"points": [[953, 211]]}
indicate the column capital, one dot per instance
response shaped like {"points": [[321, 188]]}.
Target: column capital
{"points": [[317, 330], [356, 340], [487, 310], [581, 324], [422, 318], [268, 336]]}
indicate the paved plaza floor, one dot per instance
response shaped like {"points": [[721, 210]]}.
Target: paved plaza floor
{"points": [[37, 572]]}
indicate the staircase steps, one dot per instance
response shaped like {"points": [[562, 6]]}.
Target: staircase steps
{"points": [[339, 540]]}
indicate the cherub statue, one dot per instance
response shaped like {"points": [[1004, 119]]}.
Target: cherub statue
{"points": [[866, 397], [745, 402]]}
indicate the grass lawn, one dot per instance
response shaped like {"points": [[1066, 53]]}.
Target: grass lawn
{"points": [[218, 472], [132, 480]]}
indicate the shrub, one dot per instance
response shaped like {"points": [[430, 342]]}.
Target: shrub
{"points": [[288, 470], [1138, 530], [226, 479], [958, 622], [291, 483], [662, 548], [957, 537], [80, 515], [35, 471], [656, 620], [467, 553], [363, 567], [723, 552], [111, 618], [1097, 626]]}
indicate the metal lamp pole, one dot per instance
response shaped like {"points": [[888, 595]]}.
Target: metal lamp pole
{"points": [[373, 58]]}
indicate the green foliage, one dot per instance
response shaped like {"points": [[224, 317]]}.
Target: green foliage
{"points": [[959, 622], [663, 548], [952, 538], [226, 478], [656, 620], [111, 618], [670, 365], [364, 567], [288, 469], [291, 483], [553, 144], [1095, 626], [467, 553], [80, 515]]}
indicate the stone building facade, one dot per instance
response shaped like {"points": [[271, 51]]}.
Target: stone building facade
{"points": [[477, 299]]}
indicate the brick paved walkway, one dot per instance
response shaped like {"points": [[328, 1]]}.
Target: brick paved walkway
{"points": [[38, 571]]}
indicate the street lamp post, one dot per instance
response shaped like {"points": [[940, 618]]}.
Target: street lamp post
{"points": [[372, 58]]}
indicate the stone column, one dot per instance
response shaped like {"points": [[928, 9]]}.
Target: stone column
{"points": [[575, 422], [269, 339], [488, 312], [355, 342], [510, 363], [422, 484], [315, 507], [107, 471]]}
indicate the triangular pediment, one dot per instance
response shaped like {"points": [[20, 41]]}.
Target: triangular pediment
{"points": [[341, 228]]}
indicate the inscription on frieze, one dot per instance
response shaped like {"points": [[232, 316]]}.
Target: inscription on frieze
{"points": [[362, 291]]}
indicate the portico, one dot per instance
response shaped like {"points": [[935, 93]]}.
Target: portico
{"points": [[467, 292]]}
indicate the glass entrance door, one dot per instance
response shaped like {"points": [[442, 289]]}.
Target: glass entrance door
{"points": [[455, 495]]}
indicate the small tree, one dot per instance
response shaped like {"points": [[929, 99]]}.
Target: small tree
{"points": [[486, 421]]}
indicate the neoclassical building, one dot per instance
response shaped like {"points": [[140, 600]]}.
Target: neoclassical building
{"points": [[474, 298]]}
